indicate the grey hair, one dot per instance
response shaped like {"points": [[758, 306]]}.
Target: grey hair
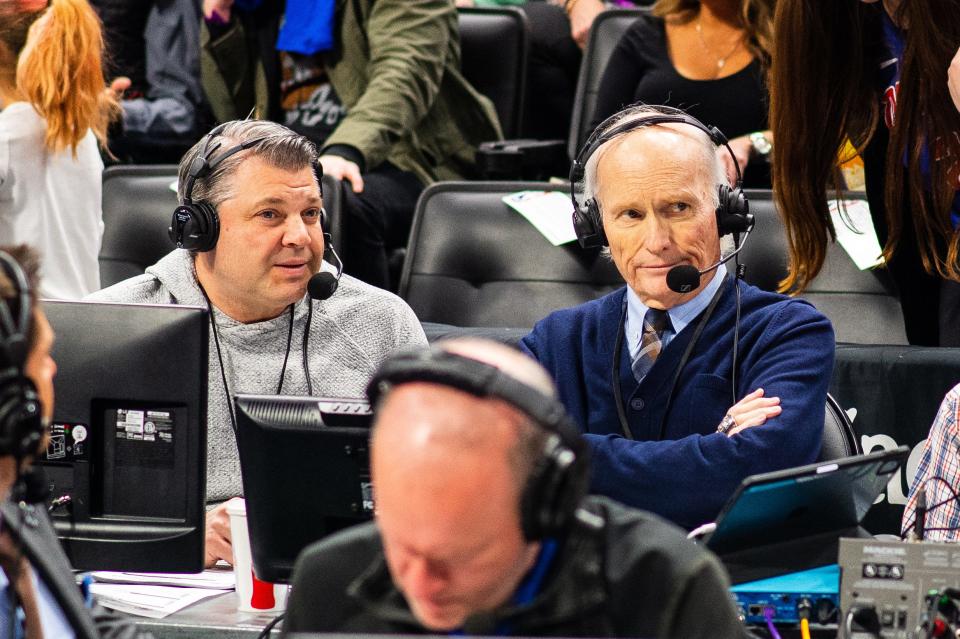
{"points": [[278, 146], [641, 112]]}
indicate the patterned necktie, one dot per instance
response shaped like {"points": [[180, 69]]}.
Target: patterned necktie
{"points": [[655, 322]]}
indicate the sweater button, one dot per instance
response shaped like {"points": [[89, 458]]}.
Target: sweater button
{"points": [[637, 403]]}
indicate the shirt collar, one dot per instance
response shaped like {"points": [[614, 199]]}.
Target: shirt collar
{"points": [[680, 315]]}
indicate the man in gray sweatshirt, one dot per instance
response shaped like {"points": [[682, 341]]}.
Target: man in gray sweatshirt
{"points": [[250, 228]]}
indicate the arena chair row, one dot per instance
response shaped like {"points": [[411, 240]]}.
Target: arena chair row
{"points": [[473, 261]]}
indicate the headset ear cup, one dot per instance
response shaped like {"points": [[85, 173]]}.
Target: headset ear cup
{"points": [[21, 424], [733, 211], [195, 227], [588, 225], [554, 490]]}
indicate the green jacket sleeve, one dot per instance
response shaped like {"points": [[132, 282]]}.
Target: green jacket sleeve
{"points": [[409, 42], [231, 75]]}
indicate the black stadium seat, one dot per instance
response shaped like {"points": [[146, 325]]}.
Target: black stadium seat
{"points": [[861, 304], [473, 261], [137, 206], [138, 203], [493, 58], [605, 33]]}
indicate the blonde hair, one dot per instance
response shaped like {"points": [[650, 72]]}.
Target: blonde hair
{"points": [[60, 73]]}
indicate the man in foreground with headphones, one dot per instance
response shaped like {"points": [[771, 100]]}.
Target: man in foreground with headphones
{"points": [[687, 380], [482, 526], [49, 602], [250, 238]]}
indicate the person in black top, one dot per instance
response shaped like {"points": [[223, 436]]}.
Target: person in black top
{"points": [[707, 58]]}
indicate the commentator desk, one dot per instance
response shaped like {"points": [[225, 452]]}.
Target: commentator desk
{"points": [[214, 618]]}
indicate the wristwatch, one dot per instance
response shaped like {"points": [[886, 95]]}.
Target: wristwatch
{"points": [[761, 145]]}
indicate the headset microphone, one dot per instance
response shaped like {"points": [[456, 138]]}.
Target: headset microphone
{"points": [[686, 277], [324, 284]]}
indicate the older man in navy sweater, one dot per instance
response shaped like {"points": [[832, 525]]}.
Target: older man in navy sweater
{"points": [[647, 372]]}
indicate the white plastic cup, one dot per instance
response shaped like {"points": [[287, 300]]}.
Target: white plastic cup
{"points": [[254, 595]]}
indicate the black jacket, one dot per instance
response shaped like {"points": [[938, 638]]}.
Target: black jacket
{"points": [[40, 546], [620, 572]]}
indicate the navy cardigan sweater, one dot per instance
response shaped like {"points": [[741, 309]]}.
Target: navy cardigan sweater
{"points": [[786, 348]]}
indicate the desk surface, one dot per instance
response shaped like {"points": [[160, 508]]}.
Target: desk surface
{"points": [[214, 618]]}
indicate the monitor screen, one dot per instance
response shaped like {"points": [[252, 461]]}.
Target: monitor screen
{"points": [[306, 473], [128, 438]]}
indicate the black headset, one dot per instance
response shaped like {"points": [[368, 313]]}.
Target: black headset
{"points": [[560, 476], [732, 211], [195, 226], [21, 424]]}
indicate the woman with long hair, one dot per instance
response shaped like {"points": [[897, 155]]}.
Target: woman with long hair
{"points": [[708, 57], [886, 77], [55, 110]]}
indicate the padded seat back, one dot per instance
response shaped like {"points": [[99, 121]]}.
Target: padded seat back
{"points": [[839, 438], [493, 58], [138, 202], [605, 34], [862, 305], [474, 261]]}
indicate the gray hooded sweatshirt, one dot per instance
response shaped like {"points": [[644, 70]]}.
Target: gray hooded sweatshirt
{"points": [[350, 335]]}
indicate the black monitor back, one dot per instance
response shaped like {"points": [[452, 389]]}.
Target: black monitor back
{"points": [[128, 440], [305, 465]]}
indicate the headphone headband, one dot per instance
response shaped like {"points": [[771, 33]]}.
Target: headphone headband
{"points": [[195, 226], [603, 134], [439, 366], [560, 476], [733, 211]]}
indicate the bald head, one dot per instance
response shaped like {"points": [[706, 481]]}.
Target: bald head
{"points": [[448, 470]]}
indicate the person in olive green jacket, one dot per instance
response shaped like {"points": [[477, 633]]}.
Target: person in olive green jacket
{"points": [[375, 83]]}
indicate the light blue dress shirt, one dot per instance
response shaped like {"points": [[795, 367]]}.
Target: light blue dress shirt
{"points": [[680, 315]]}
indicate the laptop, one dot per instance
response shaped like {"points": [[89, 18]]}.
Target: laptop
{"points": [[818, 501]]}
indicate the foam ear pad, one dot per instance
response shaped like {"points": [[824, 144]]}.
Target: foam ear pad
{"points": [[588, 225], [554, 490], [21, 424], [195, 227], [733, 211]]}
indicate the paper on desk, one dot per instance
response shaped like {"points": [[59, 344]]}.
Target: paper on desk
{"points": [[215, 579], [550, 212], [155, 602], [855, 233]]}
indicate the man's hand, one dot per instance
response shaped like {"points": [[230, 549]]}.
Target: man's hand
{"points": [[220, 8], [953, 80], [582, 15], [742, 148], [753, 410], [342, 169], [217, 542]]}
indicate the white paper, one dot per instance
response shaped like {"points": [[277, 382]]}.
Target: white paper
{"points": [[855, 232], [214, 579], [550, 212], [155, 602]]}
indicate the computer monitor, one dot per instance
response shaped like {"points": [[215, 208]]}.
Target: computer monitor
{"points": [[306, 473], [128, 438]]}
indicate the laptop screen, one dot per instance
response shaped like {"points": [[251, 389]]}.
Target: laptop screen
{"points": [[803, 501]]}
